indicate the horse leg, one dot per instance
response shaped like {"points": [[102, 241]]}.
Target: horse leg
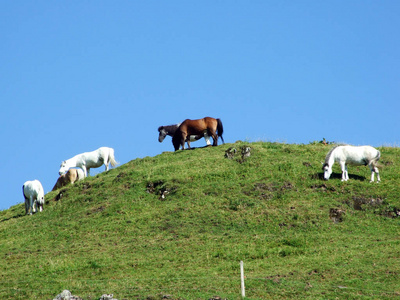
{"points": [[85, 171], [207, 138], [26, 205], [31, 205], [183, 140], [35, 206], [378, 178], [214, 136], [371, 167], [344, 171], [373, 171]]}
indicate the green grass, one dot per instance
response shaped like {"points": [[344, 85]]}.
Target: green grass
{"points": [[114, 233]]}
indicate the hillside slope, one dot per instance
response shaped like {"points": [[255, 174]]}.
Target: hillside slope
{"points": [[177, 225]]}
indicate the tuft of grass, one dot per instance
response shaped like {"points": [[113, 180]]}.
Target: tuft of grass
{"points": [[177, 225]]}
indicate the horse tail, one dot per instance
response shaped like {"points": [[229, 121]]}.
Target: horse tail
{"points": [[374, 161], [220, 129], [378, 155], [111, 158]]}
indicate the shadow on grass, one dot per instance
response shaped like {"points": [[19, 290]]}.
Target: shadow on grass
{"points": [[339, 176], [12, 217]]}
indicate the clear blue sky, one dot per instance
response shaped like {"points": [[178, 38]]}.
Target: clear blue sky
{"points": [[78, 75]]}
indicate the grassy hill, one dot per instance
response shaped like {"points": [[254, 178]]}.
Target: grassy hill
{"points": [[176, 226]]}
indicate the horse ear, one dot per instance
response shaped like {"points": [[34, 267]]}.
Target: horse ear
{"points": [[160, 128]]}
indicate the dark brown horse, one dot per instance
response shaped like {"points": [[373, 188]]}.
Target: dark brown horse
{"points": [[210, 126]]}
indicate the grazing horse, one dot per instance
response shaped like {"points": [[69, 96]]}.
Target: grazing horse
{"points": [[34, 196], [171, 129], [88, 160], [210, 126], [355, 155], [71, 176]]}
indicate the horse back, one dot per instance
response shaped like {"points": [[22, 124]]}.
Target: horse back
{"points": [[95, 158], [358, 155], [195, 127], [32, 188]]}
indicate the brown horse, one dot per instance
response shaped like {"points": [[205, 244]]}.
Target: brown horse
{"points": [[170, 130], [210, 126], [70, 177]]}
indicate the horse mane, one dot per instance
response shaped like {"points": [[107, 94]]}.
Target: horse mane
{"points": [[328, 156], [170, 129]]}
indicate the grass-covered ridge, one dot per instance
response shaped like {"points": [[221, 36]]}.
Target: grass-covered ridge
{"points": [[115, 233]]}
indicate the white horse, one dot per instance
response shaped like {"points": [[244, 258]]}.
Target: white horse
{"points": [[355, 155], [34, 196], [88, 160]]}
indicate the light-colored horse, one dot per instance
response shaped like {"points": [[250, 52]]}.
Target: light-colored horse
{"points": [[354, 155], [34, 196], [88, 160], [170, 130], [71, 176]]}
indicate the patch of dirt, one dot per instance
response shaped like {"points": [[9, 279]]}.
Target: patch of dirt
{"points": [[244, 152], [86, 186], [261, 186], [378, 205], [386, 162], [391, 212], [60, 195], [360, 201], [336, 215], [98, 209], [119, 177], [278, 277], [152, 186], [160, 188], [287, 186], [323, 187]]}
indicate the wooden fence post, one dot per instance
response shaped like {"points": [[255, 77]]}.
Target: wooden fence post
{"points": [[242, 279]]}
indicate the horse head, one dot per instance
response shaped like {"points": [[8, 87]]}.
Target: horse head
{"points": [[327, 171], [63, 168], [163, 133]]}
